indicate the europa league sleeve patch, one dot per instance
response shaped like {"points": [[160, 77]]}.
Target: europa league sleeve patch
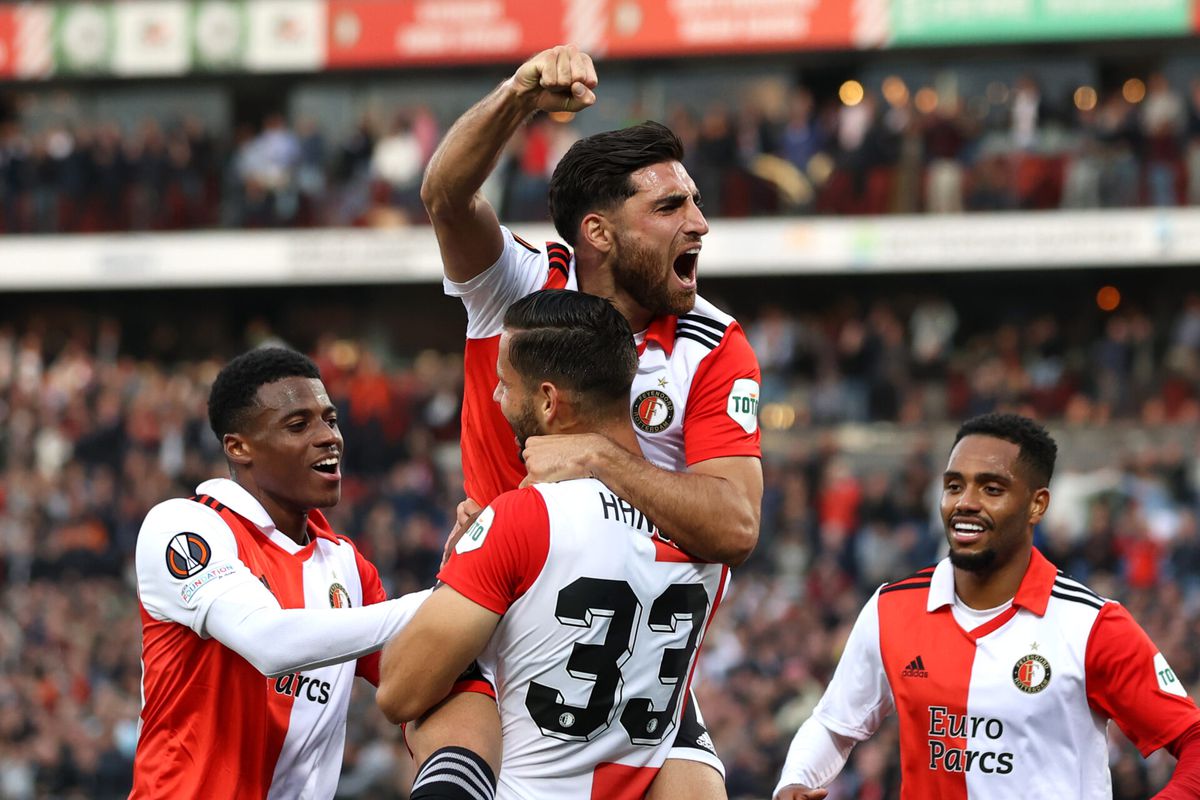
{"points": [[187, 554]]}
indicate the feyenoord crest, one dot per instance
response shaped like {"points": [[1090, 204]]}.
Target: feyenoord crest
{"points": [[653, 411], [1031, 674], [338, 596], [187, 554]]}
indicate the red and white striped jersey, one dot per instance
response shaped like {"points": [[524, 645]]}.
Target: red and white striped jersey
{"points": [[211, 724], [695, 395], [602, 623], [1017, 707]]}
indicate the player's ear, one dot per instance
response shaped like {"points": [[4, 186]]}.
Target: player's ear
{"points": [[596, 231], [547, 402], [1038, 505], [237, 448]]}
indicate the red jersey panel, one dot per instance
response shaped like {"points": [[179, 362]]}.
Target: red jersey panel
{"points": [[212, 725], [695, 395], [598, 640]]}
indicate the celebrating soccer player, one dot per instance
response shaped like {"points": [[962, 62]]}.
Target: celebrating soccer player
{"points": [[594, 620], [255, 615], [1003, 671], [631, 216]]}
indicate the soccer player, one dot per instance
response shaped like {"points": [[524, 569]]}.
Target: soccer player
{"points": [[255, 615], [623, 201], [1003, 671], [590, 619]]}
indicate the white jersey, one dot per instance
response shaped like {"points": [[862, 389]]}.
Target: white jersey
{"points": [[1016, 707], [695, 396], [602, 623], [211, 724]]}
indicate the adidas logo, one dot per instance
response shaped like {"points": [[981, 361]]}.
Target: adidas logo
{"points": [[915, 669]]}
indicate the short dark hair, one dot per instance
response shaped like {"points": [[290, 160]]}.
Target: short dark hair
{"points": [[594, 173], [577, 341], [1038, 450], [235, 390]]}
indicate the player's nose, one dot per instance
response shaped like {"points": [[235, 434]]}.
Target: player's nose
{"points": [[696, 222]]}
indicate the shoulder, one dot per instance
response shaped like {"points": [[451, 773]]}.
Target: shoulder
{"points": [[706, 325], [525, 503], [177, 540], [180, 515], [715, 339], [1069, 590], [513, 517], [910, 587]]}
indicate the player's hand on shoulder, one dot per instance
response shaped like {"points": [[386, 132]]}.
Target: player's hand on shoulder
{"points": [[464, 515], [549, 459], [559, 79], [797, 792]]}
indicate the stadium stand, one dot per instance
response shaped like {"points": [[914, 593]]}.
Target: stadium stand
{"points": [[865, 376], [99, 429]]}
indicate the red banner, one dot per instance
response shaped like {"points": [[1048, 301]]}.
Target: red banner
{"points": [[691, 27], [8, 42], [366, 33]]}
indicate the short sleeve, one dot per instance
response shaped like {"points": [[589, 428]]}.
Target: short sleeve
{"points": [[520, 270], [186, 557], [372, 592], [503, 552], [1130, 682], [721, 418], [859, 696]]}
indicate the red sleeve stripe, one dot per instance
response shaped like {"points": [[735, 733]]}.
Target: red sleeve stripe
{"points": [[212, 503]]}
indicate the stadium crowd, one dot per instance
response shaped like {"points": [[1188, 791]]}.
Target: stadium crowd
{"points": [[93, 436], [784, 151]]}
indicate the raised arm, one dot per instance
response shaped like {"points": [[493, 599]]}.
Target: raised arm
{"points": [[468, 231]]}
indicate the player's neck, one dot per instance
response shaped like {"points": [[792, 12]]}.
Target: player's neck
{"points": [[291, 522], [621, 433], [596, 281], [985, 590]]}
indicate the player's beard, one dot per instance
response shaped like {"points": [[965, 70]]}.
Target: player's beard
{"points": [[524, 425], [639, 273], [979, 562]]}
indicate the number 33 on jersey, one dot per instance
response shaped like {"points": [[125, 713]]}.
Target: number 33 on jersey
{"points": [[602, 624]]}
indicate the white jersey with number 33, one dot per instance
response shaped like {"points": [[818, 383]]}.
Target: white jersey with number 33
{"points": [[603, 620]]}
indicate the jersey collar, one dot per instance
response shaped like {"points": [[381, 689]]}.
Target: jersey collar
{"points": [[661, 331], [232, 495], [241, 502], [1033, 594]]}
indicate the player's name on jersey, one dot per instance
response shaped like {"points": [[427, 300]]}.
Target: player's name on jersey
{"points": [[620, 510], [942, 756]]}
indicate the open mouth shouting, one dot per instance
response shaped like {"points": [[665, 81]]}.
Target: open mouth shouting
{"points": [[685, 266]]}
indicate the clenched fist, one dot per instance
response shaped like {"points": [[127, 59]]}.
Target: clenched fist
{"points": [[559, 79]]}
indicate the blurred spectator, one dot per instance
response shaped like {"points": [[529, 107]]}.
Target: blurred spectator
{"points": [[94, 436], [1162, 120], [892, 149]]}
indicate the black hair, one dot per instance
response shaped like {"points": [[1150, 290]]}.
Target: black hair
{"points": [[577, 341], [594, 173], [1038, 450], [235, 390]]}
